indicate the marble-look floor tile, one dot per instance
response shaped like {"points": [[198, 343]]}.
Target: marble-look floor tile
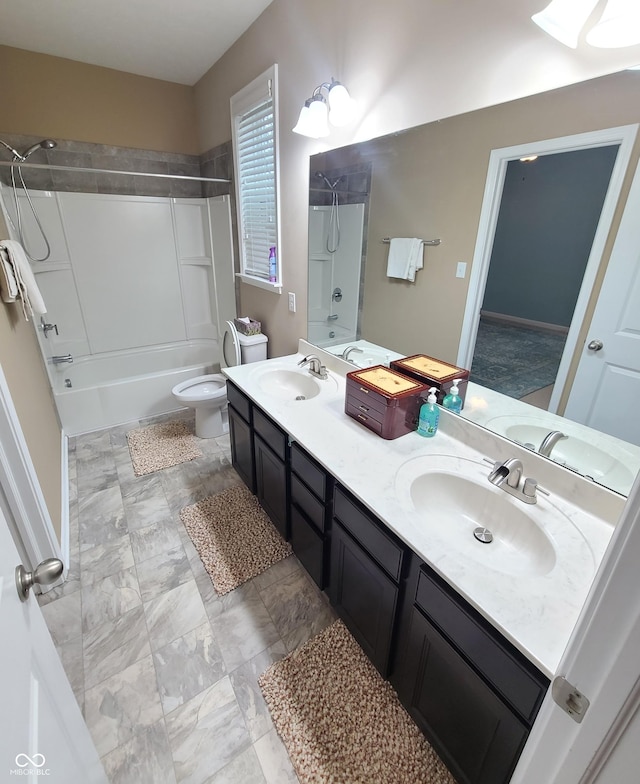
{"points": [[101, 517], [245, 685], [156, 539], [206, 733], [64, 617], [118, 434], [217, 475], [124, 467], [104, 560], [70, 653], [123, 705], [322, 617], [173, 614], [291, 601], [109, 598], [182, 485], [101, 476], [115, 645], [188, 665], [274, 760], [144, 502], [143, 759], [278, 571], [163, 572], [242, 625], [70, 585], [244, 768], [89, 447]]}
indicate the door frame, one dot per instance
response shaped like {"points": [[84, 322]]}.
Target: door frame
{"points": [[34, 534], [624, 136]]}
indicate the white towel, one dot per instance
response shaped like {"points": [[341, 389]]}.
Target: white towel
{"points": [[8, 283], [405, 257], [29, 292]]}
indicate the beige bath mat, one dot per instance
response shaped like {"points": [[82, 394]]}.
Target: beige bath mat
{"points": [[161, 446], [234, 537], [341, 722]]}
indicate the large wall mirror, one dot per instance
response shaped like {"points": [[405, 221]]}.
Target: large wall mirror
{"points": [[516, 282]]}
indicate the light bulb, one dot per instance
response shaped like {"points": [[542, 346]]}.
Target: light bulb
{"points": [[341, 105], [564, 19], [312, 121], [618, 27]]}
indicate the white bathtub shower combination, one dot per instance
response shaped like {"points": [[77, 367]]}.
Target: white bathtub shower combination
{"points": [[138, 290], [109, 389]]}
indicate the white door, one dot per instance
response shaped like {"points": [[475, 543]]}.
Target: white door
{"points": [[43, 735], [606, 389]]}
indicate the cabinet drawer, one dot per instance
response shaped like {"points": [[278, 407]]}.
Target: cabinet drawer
{"points": [[368, 420], [240, 402], [270, 433], [302, 497], [313, 475], [387, 552], [505, 668], [308, 545]]}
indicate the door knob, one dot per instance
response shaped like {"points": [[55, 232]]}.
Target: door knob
{"points": [[45, 573], [595, 345]]}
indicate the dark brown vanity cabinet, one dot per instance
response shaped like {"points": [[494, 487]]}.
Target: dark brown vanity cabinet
{"points": [[311, 499], [271, 450], [241, 435], [470, 691], [366, 573]]}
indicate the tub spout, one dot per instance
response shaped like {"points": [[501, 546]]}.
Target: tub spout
{"points": [[62, 359]]}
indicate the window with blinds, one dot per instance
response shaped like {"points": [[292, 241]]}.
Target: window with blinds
{"points": [[254, 115]]}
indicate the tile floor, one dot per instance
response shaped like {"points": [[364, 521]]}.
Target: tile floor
{"points": [[165, 670]]}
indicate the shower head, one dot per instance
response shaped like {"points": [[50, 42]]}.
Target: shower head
{"points": [[329, 184], [45, 144]]}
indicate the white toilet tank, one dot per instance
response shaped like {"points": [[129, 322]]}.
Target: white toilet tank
{"points": [[253, 348]]}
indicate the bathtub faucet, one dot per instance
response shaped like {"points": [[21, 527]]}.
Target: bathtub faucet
{"points": [[62, 359]]}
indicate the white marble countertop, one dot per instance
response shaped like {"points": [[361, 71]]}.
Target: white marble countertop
{"points": [[535, 611]]}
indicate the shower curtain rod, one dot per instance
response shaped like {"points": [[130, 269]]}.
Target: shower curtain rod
{"points": [[110, 171]]}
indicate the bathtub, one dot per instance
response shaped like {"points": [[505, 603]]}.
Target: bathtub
{"points": [[103, 390], [322, 334]]}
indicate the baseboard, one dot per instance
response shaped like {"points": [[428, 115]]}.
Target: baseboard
{"points": [[523, 322]]}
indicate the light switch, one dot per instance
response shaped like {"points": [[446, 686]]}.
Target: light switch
{"points": [[292, 302], [461, 269]]}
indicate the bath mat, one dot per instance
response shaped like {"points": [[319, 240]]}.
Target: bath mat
{"points": [[161, 446], [234, 537], [341, 722]]}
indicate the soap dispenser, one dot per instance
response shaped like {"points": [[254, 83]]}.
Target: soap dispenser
{"points": [[429, 416], [453, 401]]}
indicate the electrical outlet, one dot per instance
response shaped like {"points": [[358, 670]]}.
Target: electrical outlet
{"points": [[292, 302], [461, 269]]}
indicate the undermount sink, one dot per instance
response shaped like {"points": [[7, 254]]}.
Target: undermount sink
{"points": [[451, 497], [292, 385]]}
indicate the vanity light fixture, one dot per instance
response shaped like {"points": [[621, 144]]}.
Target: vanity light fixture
{"points": [[529, 159], [618, 26], [330, 103]]}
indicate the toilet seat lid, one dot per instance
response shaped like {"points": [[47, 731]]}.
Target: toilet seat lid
{"points": [[230, 354]]}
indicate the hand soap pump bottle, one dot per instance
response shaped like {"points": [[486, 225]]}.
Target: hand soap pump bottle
{"points": [[429, 416], [453, 401]]}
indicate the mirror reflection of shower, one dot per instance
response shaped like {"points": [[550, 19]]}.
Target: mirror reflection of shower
{"points": [[335, 256], [19, 158], [333, 229]]}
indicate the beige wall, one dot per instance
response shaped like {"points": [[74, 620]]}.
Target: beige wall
{"points": [[63, 99], [406, 63], [21, 363]]}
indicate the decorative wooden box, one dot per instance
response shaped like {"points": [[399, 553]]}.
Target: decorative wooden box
{"points": [[434, 373], [384, 400]]}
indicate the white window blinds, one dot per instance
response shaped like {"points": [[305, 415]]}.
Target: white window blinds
{"points": [[254, 114]]}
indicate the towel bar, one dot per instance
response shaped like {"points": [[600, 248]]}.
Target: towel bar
{"points": [[387, 240]]}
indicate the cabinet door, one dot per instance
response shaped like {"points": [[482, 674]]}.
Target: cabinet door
{"points": [[242, 448], [308, 545], [473, 731], [363, 596], [271, 485]]}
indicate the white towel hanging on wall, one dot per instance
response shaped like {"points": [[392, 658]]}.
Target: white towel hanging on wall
{"points": [[405, 257], [28, 291]]}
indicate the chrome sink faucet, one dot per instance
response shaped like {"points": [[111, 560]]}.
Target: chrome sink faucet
{"points": [[350, 350], [509, 477], [549, 441], [316, 368]]}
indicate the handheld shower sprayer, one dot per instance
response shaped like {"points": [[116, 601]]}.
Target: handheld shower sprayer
{"points": [[19, 158]]}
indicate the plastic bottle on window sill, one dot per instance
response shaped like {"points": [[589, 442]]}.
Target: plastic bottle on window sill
{"points": [[273, 265]]}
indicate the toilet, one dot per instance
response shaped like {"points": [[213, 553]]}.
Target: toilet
{"points": [[208, 394]]}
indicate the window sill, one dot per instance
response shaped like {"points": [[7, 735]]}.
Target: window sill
{"points": [[260, 283]]}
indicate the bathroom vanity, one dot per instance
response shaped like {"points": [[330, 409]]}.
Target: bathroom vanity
{"points": [[469, 634]]}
